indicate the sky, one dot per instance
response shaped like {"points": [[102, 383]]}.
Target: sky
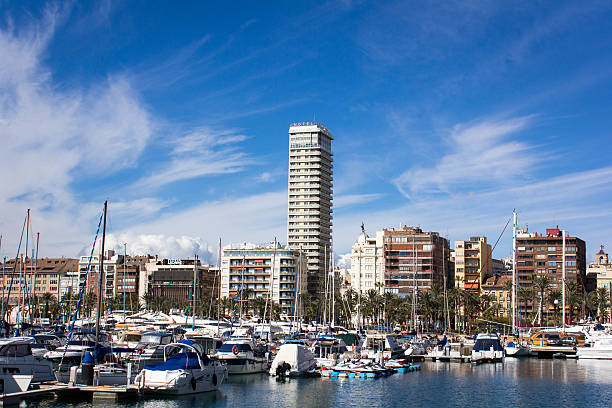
{"points": [[446, 115]]}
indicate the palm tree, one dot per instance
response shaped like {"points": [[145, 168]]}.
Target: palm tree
{"points": [[541, 284], [554, 298], [603, 302], [572, 297]]}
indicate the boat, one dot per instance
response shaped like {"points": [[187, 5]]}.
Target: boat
{"points": [[16, 358], [186, 370], [383, 345], [516, 349], [487, 348], [416, 348], [242, 356], [12, 384], [600, 348], [293, 358], [328, 350], [451, 350]]}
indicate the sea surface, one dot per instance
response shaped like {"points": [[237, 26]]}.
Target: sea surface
{"points": [[514, 383]]}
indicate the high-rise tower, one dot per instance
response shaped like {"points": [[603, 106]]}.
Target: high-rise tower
{"points": [[309, 224]]}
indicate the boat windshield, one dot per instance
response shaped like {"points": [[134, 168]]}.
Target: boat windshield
{"points": [[229, 347], [487, 344], [155, 339]]}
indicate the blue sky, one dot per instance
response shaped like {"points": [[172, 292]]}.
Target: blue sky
{"points": [[444, 116]]}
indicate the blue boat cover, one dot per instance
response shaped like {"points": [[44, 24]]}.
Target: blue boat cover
{"points": [[179, 361]]}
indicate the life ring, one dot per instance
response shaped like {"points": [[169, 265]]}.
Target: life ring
{"points": [[428, 349], [235, 349]]}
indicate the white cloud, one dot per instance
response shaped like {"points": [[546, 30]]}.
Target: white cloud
{"points": [[346, 200], [480, 156], [51, 136], [343, 260], [202, 152], [257, 218], [166, 246]]}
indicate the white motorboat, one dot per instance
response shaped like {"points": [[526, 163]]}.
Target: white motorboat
{"points": [[600, 348], [488, 348], [185, 370], [381, 344], [243, 356], [416, 349], [328, 350], [16, 358], [516, 349], [293, 358]]}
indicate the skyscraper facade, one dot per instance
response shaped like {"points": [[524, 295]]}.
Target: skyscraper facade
{"points": [[309, 225]]}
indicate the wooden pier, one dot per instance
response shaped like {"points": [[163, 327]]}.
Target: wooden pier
{"points": [[455, 359], [100, 392], [551, 351]]}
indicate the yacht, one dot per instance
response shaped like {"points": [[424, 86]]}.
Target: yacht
{"points": [[242, 356], [599, 348], [293, 358], [381, 345], [328, 350], [488, 348], [16, 358], [186, 370]]}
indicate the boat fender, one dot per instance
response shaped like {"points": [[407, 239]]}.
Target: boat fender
{"points": [[193, 383], [214, 379], [235, 349]]}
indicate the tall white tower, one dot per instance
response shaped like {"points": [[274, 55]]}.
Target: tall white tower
{"points": [[309, 225]]}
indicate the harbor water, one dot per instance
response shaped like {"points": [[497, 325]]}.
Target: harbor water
{"points": [[514, 383]]}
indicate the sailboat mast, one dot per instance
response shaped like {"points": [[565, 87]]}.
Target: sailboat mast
{"points": [[124, 273], [100, 276], [219, 291], [35, 269], [271, 288], [333, 274], [195, 266], [514, 274], [325, 286], [563, 282]]}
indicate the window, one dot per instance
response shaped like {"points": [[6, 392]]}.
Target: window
{"points": [[552, 263], [552, 249], [541, 256], [570, 263]]}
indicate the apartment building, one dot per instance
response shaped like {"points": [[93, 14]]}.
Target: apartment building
{"points": [[473, 263], [261, 269], [414, 259], [309, 224], [368, 263], [43, 274]]}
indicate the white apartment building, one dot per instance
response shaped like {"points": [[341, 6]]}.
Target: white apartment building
{"points": [[368, 263], [309, 224], [261, 269]]}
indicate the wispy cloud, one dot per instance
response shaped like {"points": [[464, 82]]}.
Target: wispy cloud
{"points": [[347, 200], [202, 152], [479, 155], [54, 136]]}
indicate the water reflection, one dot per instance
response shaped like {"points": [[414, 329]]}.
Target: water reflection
{"points": [[516, 382]]}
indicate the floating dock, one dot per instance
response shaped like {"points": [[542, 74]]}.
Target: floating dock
{"points": [[551, 351], [100, 392], [454, 359]]}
